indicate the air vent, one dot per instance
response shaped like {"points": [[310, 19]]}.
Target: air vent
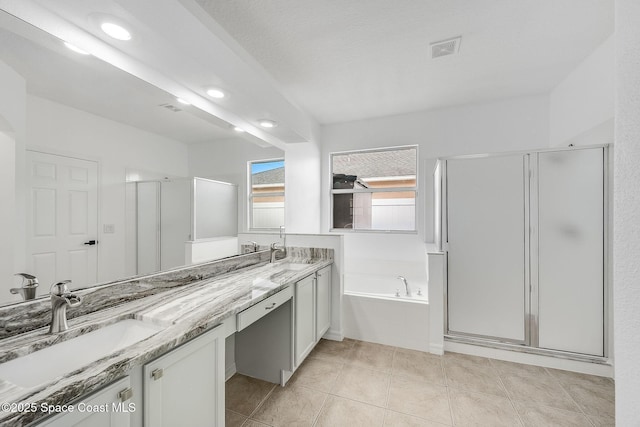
{"points": [[170, 107], [445, 47]]}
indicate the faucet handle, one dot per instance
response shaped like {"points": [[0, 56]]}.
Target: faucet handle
{"points": [[61, 288], [30, 279]]}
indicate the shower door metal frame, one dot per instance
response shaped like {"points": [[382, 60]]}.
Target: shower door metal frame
{"points": [[531, 341]]}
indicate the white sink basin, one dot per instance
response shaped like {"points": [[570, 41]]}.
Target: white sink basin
{"points": [[55, 361], [293, 266]]}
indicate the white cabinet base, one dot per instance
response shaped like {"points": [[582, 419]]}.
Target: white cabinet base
{"points": [[104, 408], [186, 385]]}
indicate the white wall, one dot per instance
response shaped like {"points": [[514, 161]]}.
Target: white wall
{"points": [[627, 213], [63, 130], [226, 161], [12, 131], [302, 188], [582, 105], [511, 124]]}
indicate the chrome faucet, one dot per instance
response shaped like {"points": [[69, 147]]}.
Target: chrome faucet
{"points": [[28, 288], [406, 285], [254, 245], [61, 298], [274, 250]]}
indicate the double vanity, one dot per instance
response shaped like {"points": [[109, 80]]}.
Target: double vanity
{"points": [[150, 351]]}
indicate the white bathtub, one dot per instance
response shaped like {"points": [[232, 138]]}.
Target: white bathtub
{"points": [[372, 311]]}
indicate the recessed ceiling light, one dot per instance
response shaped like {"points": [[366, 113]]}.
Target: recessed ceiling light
{"points": [[266, 123], [76, 49], [182, 101], [215, 93], [238, 129], [116, 31]]}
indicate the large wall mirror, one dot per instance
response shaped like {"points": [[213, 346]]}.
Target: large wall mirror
{"points": [[103, 188]]}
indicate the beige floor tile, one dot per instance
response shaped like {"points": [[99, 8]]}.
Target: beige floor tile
{"points": [[333, 350], [594, 394], [290, 406], [318, 374], [364, 385], [567, 377], [511, 368], [478, 409], [466, 360], [372, 356], [593, 399], [244, 394], [420, 399], [341, 412], [416, 364], [483, 379], [539, 416], [396, 419], [602, 421], [233, 419], [542, 389], [254, 423]]}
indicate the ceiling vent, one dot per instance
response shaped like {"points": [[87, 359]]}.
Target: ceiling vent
{"points": [[170, 107], [445, 47]]}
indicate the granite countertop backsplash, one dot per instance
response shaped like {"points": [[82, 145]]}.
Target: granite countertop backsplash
{"points": [[185, 302]]}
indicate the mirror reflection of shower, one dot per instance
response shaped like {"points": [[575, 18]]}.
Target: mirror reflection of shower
{"points": [[180, 221]]}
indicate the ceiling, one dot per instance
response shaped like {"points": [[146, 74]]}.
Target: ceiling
{"points": [[357, 59], [84, 82], [299, 62]]}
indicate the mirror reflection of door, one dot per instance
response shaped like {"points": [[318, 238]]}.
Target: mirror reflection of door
{"points": [[62, 219]]}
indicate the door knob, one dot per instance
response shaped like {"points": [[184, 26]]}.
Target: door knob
{"points": [[91, 242]]}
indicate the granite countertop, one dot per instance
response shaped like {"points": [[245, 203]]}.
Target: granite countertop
{"points": [[183, 312]]}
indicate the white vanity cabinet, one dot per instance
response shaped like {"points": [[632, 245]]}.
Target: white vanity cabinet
{"points": [[323, 301], [305, 328], [186, 385], [312, 311], [109, 407]]}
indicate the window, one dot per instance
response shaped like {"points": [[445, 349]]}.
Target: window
{"points": [[375, 189], [266, 194]]}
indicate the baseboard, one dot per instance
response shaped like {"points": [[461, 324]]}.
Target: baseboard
{"points": [[436, 349], [230, 371], [333, 335]]}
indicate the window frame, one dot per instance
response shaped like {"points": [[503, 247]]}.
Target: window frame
{"points": [[250, 196], [333, 191]]}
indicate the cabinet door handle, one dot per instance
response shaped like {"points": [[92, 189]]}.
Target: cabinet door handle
{"points": [[156, 374], [126, 394], [271, 306]]}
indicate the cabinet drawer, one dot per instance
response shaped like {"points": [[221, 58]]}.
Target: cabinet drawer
{"points": [[255, 312]]}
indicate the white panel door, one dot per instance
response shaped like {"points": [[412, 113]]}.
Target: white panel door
{"points": [[62, 218], [486, 246], [570, 265]]}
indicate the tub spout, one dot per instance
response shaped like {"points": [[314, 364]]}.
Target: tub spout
{"points": [[406, 285]]}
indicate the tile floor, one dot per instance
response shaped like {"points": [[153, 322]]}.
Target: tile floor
{"points": [[354, 383]]}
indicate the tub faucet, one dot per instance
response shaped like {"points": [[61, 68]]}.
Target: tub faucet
{"points": [[406, 285], [274, 250], [28, 289], [61, 298]]}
